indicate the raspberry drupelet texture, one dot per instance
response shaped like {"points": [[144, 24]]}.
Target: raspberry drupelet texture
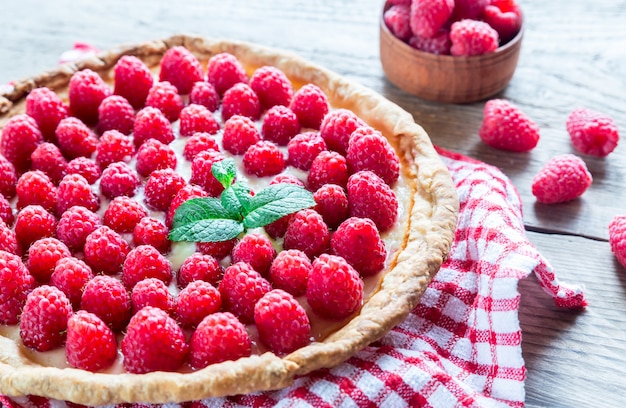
{"points": [[48, 158], [368, 149], [90, 343], [397, 18], [370, 197], [202, 175], [106, 297], [469, 9], [71, 275], [263, 159], [43, 255], [199, 266], [472, 37], [304, 148], [240, 99], [256, 250], [438, 44], [86, 91], [165, 97], [75, 225], [151, 292], [116, 113], [161, 187], [332, 204], [114, 146], [219, 337], [617, 238], [241, 287], [43, 323], [153, 155], [428, 16], [196, 301], [74, 190], [151, 231], [8, 240], [17, 283], [87, 168], [218, 250], [33, 222], [76, 139], [563, 178], [290, 271], [6, 212], [224, 70], [310, 105], [196, 118], [181, 68], [8, 178], [337, 127], [143, 262], [592, 132], [105, 250], [506, 127], [203, 93], [35, 188], [123, 213], [280, 125], [272, 86], [239, 133], [328, 167], [505, 17], [308, 233], [150, 123], [19, 138], [199, 142], [133, 80], [119, 179], [357, 241], [48, 109]]}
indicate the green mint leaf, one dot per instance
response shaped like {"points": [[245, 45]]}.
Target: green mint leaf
{"points": [[236, 200], [207, 230], [224, 171], [198, 209], [275, 202]]}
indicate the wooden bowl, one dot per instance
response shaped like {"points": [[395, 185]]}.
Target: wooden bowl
{"points": [[447, 78]]}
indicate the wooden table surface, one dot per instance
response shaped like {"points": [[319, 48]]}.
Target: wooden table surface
{"points": [[574, 54]]}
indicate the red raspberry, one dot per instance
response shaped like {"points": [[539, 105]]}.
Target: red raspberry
{"points": [[239, 133], [203, 93], [114, 146], [36, 188], [592, 132], [304, 148], [196, 301], [8, 240], [218, 250], [332, 204], [8, 177], [107, 298], [201, 174], [116, 113], [334, 289], [224, 71], [164, 96], [199, 266], [256, 250], [197, 118], [119, 179], [369, 150], [563, 178], [219, 337], [71, 275], [617, 238], [90, 344], [308, 233], [272, 86], [75, 190], [86, 91], [282, 322], [471, 9], [6, 212], [328, 167], [472, 37], [187, 192], [133, 80], [278, 228], [75, 225], [428, 16], [75, 138], [43, 323], [287, 179], [43, 256], [263, 159], [17, 282], [145, 261], [151, 292], [310, 105], [240, 99], [241, 287], [48, 158], [438, 44], [199, 142], [151, 231], [357, 241], [87, 168], [290, 271], [397, 19], [161, 187], [150, 123], [337, 127], [506, 127], [105, 250], [181, 68], [48, 109], [370, 197], [280, 125], [153, 342], [154, 155], [123, 213], [505, 17], [19, 138], [33, 223]]}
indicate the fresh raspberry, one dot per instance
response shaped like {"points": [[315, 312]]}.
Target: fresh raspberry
{"points": [[370, 197], [199, 142], [506, 127], [86, 91], [87, 168], [33, 222], [151, 231], [337, 127], [119, 179], [218, 250], [123, 213], [308, 233], [8, 240], [272, 86], [201, 174], [154, 155], [563, 178], [617, 238], [19, 138], [48, 158], [219, 337], [6, 212], [75, 138], [397, 19], [332, 204], [75, 225], [400, 2], [290, 271], [36, 188], [328, 167], [90, 344], [161, 187], [282, 322], [145, 261], [151, 292], [278, 228], [107, 298], [357, 241], [71, 275], [48, 109], [150, 123], [17, 283], [438, 44], [203, 93], [43, 323], [181, 68], [310, 105], [263, 159], [105, 250], [184, 194], [369, 150], [75, 190], [153, 342], [43, 255], [197, 118], [287, 179], [224, 71], [240, 99], [469, 9], [239, 133], [472, 37], [114, 146], [280, 125], [304, 148], [505, 17], [334, 289], [199, 266], [133, 80], [592, 132], [241, 287], [116, 113], [8, 178], [429, 16], [165, 97], [256, 250], [196, 301]]}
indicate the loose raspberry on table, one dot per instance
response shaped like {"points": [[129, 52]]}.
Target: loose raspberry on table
{"points": [[472, 37], [150, 123], [304, 148], [592, 132], [241, 287], [310, 105], [469, 9], [116, 113], [35, 188], [199, 266], [33, 222], [75, 225], [280, 125], [397, 19], [357, 241], [239, 133], [329, 167], [19, 138], [152, 292], [133, 80], [282, 322], [87, 168], [506, 127], [17, 283], [71, 275], [123, 213], [370, 150], [48, 158], [86, 91], [8, 240], [196, 118], [241, 100], [105, 250], [8, 178], [224, 70], [43, 323], [218, 250], [203, 93], [90, 343], [119, 179], [290, 271], [161, 187], [429, 16], [181, 68], [334, 289], [332, 204], [199, 142], [48, 109], [43, 255], [196, 301], [153, 155], [256, 250], [106, 297], [114, 146], [75, 139], [438, 44], [308, 233], [370, 197], [73, 190], [202, 175], [617, 238], [219, 337], [187, 192], [6, 211], [263, 159], [151, 231], [505, 17], [337, 127], [145, 261], [563, 178], [165, 97], [272, 86]]}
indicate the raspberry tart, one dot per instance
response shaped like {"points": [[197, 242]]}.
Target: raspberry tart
{"points": [[214, 217]]}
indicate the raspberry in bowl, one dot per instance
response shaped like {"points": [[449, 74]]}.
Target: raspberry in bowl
{"points": [[450, 51]]}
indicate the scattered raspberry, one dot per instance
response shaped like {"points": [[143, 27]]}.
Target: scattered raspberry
{"points": [[472, 37], [90, 344], [143, 262], [87, 168], [201, 174], [370, 150], [290, 271], [133, 80], [197, 118], [114, 146], [241, 100], [107, 298], [75, 190], [161, 187], [86, 91], [304, 148], [203, 93], [116, 113], [150, 123], [272, 86], [438, 44], [43, 323], [335, 289], [8, 178], [219, 337], [48, 109], [357, 241], [123, 213], [199, 266], [75, 225], [43, 256], [239, 133], [337, 127], [224, 71], [282, 322], [592, 132], [6, 212], [617, 238], [48, 158], [75, 138], [310, 105], [154, 155], [308, 233], [196, 301], [218, 250], [429, 16], [71, 275], [19, 138], [105, 250], [151, 231], [184, 194], [563, 178], [181, 68], [8, 240], [199, 142], [469, 9], [263, 159], [33, 223], [332, 204], [256, 250], [17, 283], [328, 167], [152, 292], [397, 19], [165, 97], [280, 125], [119, 179], [241, 287], [36, 188], [370, 197], [506, 127]]}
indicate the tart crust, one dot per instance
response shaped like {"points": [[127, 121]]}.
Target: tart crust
{"points": [[427, 240]]}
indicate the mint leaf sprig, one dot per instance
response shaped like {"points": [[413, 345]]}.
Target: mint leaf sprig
{"points": [[211, 219]]}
